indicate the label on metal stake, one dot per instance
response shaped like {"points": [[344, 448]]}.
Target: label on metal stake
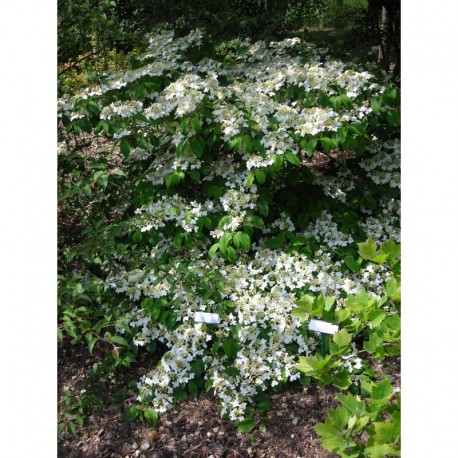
{"points": [[203, 317], [323, 326]]}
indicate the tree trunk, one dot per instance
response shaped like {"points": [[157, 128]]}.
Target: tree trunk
{"points": [[386, 31]]}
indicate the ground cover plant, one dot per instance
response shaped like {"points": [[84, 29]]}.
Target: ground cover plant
{"points": [[262, 186]]}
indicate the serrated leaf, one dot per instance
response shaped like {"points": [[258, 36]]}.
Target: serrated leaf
{"points": [[301, 313], [151, 416], [382, 391], [342, 315], [353, 264], [393, 289], [375, 317], [342, 338], [352, 403], [342, 379], [380, 451], [380, 258], [385, 432], [307, 365], [329, 302], [367, 249]]}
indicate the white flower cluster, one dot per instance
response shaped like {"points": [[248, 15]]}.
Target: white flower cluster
{"points": [[248, 99], [384, 165], [326, 231], [173, 208]]}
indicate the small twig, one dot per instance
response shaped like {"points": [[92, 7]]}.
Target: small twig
{"points": [[193, 448], [74, 64]]}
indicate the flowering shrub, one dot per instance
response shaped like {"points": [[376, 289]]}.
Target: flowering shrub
{"points": [[209, 194]]}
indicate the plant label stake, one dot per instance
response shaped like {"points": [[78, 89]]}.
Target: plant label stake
{"points": [[208, 318], [323, 327]]}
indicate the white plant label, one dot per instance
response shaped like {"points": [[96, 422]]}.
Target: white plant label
{"points": [[323, 326], [203, 317]]}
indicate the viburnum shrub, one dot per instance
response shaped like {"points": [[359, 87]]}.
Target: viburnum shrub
{"points": [[263, 187]]}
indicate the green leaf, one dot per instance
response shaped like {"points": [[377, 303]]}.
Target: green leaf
{"points": [[231, 348], [380, 451], [246, 426], [328, 144], [131, 413], [91, 340], [118, 340], [137, 236], [151, 416], [307, 365], [196, 124], [212, 251], [311, 147], [382, 391], [292, 158], [380, 258], [255, 221], [342, 379], [393, 118], [385, 432], [301, 313], [249, 180], [342, 338], [376, 104], [263, 208], [215, 191], [242, 240], [192, 387], [125, 148], [329, 302], [195, 175], [278, 162], [393, 289], [375, 317], [260, 176], [367, 250], [352, 403], [342, 315], [353, 264], [231, 254], [197, 147]]}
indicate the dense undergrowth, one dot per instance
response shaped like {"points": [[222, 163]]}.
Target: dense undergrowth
{"points": [[260, 184]]}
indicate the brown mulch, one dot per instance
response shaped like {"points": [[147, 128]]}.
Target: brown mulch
{"points": [[194, 428]]}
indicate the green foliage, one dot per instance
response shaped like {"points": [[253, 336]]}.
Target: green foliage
{"points": [[198, 198], [376, 416]]}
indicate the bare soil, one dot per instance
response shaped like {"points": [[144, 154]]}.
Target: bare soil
{"points": [[193, 428]]}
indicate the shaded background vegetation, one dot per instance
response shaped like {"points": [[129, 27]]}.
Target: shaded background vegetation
{"points": [[95, 36]]}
